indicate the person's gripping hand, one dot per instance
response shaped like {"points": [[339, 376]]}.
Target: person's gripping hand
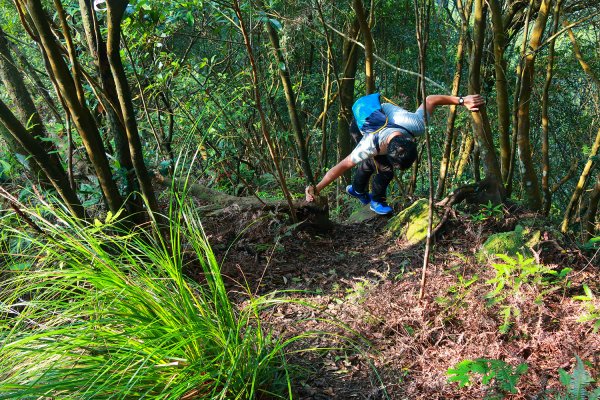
{"points": [[473, 102], [310, 193]]}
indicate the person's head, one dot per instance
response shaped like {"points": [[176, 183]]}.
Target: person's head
{"points": [[402, 152]]}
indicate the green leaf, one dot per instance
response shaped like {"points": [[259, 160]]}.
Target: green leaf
{"points": [[275, 24]]}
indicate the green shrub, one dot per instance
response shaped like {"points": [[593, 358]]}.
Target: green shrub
{"points": [[500, 377]]}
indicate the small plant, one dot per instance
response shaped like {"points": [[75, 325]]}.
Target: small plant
{"points": [[500, 377], [511, 275], [576, 384], [593, 310], [488, 211]]}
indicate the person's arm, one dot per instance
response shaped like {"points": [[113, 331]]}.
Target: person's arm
{"points": [[471, 102], [330, 176]]}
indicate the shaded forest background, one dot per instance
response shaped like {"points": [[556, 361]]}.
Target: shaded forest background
{"points": [[112, 106]]}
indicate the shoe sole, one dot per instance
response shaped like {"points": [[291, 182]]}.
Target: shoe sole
{"points": [[381, 213]]}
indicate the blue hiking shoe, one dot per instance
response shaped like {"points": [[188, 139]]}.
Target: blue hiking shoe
{"points": [[363, 197], [380, 208]]}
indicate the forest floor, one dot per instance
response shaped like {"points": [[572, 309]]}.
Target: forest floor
{"points": [[357, 275]]}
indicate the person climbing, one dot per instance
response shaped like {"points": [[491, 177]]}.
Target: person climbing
{"points": [[381, 151]]}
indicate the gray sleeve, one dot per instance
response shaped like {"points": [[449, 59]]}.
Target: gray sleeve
{"points": [[414, 122], [364, 149]]}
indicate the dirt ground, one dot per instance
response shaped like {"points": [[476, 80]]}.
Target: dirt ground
{"points": [[356, 275]]}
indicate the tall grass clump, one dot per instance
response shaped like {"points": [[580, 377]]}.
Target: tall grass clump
{"points": [[108, 313]]}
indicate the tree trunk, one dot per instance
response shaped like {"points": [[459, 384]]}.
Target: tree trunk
{"points": [[449, 138], [114, 117], [501, 88], [24, 107], [114, 14], [545, 118], [54, 172], [350, 63], [590, 226], [366, 32], [583, 178], [517, 93], [463, 160], [286, 81], [82, 117], [584, 65], [530, 182], [481, 123]]}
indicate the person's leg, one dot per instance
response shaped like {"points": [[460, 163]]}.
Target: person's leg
{"points": [[381, 180], [363, 173]]}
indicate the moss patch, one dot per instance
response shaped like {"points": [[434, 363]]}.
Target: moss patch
{"points": [[510, 243], [411, 223]]}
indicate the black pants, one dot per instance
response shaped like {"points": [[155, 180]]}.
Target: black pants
{"points": [[378, 165]]}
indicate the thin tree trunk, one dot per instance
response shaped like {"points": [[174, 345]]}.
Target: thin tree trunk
{"points": [[481, 123], [114, 15], [590, 226], [82, 117], [33, 74], [53, 171], [17, 91], [263, 119], [501, 88], [533, 197], [290, 98], [24, 107], [116, 128], [463, 159], [366, 32], [323, 157], [584, 65], [517, 94], [449, 137], [583, 178], [422, 18], [350, 62], [545, 118]]}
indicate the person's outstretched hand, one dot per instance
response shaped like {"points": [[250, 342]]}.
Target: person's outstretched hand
{"points": [[473, 102], [310, 193]]}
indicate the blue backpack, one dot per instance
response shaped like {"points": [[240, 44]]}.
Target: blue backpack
{"points": [[368, 113]]}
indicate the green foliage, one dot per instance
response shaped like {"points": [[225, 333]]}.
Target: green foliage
{"points": [[110, 314], [514, 273], [593, 310], [499, 376], [488, 211], [576, 384]]}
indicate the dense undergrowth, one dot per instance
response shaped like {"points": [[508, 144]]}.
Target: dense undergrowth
{"points": [[91, 311]]}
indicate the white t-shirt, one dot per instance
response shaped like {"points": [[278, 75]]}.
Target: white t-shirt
{"points": [[412, 121]]}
